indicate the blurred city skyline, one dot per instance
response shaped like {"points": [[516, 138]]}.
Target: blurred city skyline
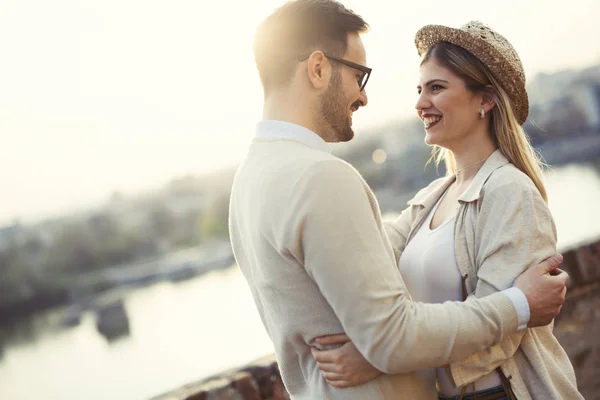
{"points": [[125, 95]]}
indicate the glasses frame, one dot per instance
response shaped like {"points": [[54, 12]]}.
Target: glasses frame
{"points": [[365, 70]]}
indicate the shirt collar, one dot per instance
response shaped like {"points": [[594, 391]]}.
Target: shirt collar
{"points": [[273, 129], [494, 161], [428, 198]]}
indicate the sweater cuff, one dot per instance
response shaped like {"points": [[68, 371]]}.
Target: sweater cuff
{"points": [[521, 304]]}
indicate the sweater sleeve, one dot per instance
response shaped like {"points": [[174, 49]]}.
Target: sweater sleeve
{"points": [[333, 227], [397, 231], [516, 231]]}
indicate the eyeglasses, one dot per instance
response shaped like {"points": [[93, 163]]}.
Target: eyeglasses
{"points": [[366, 71], [361, 80]]}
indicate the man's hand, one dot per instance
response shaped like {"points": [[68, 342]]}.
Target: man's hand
{"points": [[344, 366], [545, 287]]}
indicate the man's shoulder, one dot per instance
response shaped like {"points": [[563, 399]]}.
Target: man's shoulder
{"points": [[281, 157], [298, 165], [285, 152], [331, 172]]}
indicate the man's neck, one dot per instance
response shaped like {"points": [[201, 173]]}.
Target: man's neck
{"points": [[283, 107]]}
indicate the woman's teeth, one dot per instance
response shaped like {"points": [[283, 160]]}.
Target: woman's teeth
{"points": [[430, 121]]}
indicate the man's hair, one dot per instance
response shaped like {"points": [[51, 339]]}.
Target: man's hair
{"points": [[296, 29]]}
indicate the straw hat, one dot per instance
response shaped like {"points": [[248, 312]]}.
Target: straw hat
{"points": [[492, 49]]}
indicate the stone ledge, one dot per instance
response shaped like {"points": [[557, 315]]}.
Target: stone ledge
{"points": [[259, 380], [582, 264]]}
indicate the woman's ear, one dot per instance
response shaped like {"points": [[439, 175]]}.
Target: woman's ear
{"points": [[488, 99]]}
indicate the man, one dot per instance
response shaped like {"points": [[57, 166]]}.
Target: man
{"points": [[306, 229]]}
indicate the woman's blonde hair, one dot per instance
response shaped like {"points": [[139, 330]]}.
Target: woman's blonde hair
{"points": [[506, 132]]}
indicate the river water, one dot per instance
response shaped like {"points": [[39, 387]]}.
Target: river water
{"points": [[181, 332]]}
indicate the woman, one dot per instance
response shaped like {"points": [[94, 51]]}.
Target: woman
{"points": [[473, 232]]}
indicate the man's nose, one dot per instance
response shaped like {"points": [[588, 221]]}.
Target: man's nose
{"points": [[362, 98]]}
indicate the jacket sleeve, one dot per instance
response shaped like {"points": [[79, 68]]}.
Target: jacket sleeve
{"points": [[515, 231], [398, 229], [333, 227]]}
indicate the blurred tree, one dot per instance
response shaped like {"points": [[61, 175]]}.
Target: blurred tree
{"points": [[162, 221], [11, 273], [213, 220]]}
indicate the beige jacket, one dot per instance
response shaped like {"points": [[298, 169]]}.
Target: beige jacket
{"points": [[502, 227]]}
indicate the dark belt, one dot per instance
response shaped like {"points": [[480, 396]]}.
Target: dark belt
{"points": [[489, 394]]}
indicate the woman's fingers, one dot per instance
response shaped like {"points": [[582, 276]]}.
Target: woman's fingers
{"points": [[326, 356], [333, 339], [329, 367], [333, 376], [344, 367], [337, 380], [339, 384]]}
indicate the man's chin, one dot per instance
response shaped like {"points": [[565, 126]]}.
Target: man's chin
{"points": [[344, 136], [347, 136], [342, 132]]}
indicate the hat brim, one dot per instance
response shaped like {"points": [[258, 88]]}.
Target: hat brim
{"points": [[500, 68]]}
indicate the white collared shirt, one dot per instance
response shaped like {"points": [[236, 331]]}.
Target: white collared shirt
{"points": [[273, 129]]}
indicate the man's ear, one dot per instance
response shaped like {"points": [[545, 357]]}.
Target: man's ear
{"points": [[319, 69]]}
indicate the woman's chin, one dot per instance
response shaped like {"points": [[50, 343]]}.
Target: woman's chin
{"points": [[430, 139]]}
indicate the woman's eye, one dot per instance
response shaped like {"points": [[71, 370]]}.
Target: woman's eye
{"points": [[436, 87]]}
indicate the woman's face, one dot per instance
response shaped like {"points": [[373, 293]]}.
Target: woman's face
{"points": [[449, 111]]}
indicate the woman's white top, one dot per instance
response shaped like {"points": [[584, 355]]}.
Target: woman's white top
{"points": [[429, 269]]}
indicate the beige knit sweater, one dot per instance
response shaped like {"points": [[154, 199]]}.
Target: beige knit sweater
{"points": [[307, 234]]}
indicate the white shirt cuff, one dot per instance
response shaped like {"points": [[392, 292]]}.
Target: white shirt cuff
{"points": [[521, 304]]}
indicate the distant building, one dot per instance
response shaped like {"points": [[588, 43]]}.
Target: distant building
{"points": [[10, 234], [586, 97]]}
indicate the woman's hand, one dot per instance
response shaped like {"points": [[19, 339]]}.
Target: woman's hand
{"points": [[344, 366]]}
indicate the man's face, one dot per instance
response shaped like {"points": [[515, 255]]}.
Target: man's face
{"points": [[343, 96]]}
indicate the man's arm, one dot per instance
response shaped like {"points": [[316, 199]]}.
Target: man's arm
{"points": [[337, 232], [397, 231]]}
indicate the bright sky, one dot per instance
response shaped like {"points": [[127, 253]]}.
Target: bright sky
{"points": [[104, 95]]}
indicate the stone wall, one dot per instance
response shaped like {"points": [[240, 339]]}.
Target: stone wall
{"points": [[577, 328], [578, 325], [259, 380]]}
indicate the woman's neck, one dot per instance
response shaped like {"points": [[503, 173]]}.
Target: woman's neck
{"points": [[470, 160]]}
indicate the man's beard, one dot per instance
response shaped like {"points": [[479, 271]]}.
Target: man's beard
{"points": [[333, 110]]}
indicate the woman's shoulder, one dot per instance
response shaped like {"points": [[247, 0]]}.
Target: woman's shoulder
{"points": [[510, 184], [509, 177]]}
